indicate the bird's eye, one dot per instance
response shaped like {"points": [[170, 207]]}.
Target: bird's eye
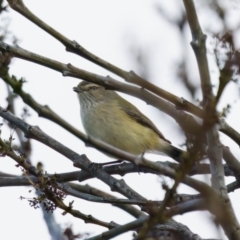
{"points": [[94, 88]]}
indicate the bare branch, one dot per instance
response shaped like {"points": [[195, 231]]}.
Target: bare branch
{"points": [[80, 161], [215, 149]]}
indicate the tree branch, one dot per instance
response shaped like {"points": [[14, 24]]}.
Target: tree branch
{"points": [[209, 103], [81, 161]]}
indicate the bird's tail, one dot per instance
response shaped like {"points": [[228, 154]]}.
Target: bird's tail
{"points": [[177, 154], [174, 152]]}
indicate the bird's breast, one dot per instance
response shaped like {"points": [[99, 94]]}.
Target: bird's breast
{"points": [[113, 126]]}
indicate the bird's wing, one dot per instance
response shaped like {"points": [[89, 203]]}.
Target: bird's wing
{"points": [[137, 116]]}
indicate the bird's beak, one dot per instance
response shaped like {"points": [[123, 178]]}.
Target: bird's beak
{"points": [[77, 89]]}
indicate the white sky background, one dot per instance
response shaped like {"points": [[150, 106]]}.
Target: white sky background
{"points": [[108, 29]]}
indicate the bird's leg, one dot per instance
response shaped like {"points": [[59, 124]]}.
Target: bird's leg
{"points": [[112, 162], [142, 155], [106, 163]]}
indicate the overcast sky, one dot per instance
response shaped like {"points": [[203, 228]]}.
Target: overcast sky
{"points": [[111, 30]]}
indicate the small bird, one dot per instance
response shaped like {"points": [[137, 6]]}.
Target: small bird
{"points": [[109, 117]]}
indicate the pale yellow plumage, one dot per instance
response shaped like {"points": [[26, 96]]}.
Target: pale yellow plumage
{"points": [[109, 117]]}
